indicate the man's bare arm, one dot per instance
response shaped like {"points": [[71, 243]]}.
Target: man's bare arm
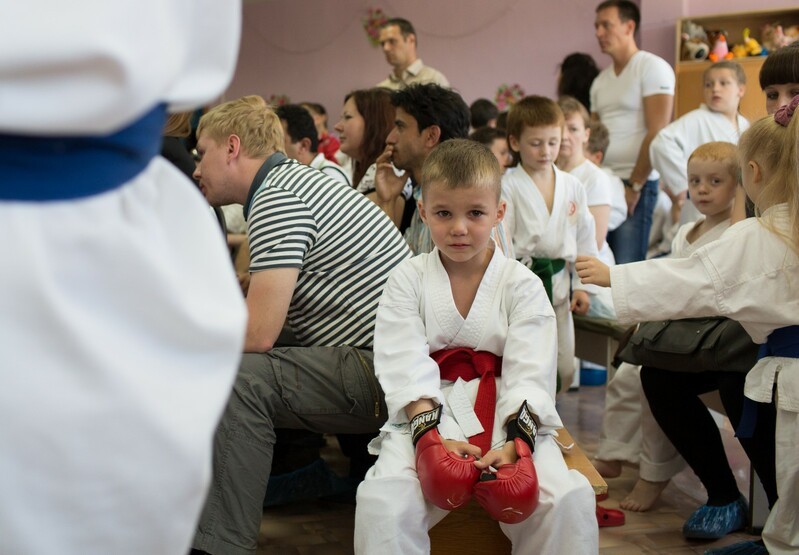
{"points": [[268, 302], [657, 115]]}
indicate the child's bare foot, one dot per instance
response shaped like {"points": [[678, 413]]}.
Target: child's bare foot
{"points": [[643, 495], [607, 469]]}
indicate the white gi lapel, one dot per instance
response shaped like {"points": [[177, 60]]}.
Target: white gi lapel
{"points": [[446, 314]]}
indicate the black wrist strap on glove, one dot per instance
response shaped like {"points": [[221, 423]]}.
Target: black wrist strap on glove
{"points": [[523, 426], [424, 422]]}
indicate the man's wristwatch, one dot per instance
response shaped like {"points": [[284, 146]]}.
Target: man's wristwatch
{"points": [[636, 186]]}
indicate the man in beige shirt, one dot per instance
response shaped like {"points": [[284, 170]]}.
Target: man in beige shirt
{"points": [[398, 40]]}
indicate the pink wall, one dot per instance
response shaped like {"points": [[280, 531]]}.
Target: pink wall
{"points": [[317, 50]]}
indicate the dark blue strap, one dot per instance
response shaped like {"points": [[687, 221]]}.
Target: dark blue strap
{"points": [[40, 169], [782, 342]]}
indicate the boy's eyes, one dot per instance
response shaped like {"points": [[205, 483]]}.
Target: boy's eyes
{"points": [[472, 213]]}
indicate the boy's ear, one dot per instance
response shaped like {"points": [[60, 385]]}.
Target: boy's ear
{"points": [[420, 208], [513, 143], [501, 210], [305, 144], [741, 91]]}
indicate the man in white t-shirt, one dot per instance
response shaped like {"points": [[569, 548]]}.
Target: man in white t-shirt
{"points": [[398, 41], [634, 98]]}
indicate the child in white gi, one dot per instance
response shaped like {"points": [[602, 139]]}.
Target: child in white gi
{"points": [[466, 295], [715, 120], [547, 214], [629, 432], [595, 148], [750, 274], [121, 323], [598, 189]]}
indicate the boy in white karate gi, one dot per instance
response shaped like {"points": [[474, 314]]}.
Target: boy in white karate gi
{"points": [[465, 299], [547, 215], [717, 119]]}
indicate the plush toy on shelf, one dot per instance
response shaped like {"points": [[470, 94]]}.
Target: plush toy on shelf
{"points": [[750, 47], [719, 49], [694, 42], [774, 36]]}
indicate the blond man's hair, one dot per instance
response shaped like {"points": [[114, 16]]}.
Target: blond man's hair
{"points": [[462, 164], [718, 151], [249, 118]]}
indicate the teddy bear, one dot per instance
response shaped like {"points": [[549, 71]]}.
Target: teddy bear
{"points": [[694, 42]]}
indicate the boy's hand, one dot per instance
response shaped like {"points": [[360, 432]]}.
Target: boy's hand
{"points": [[497, 457], [581, 302], [592, 271], [462, 448], [511, 494], [388, 185], [445, 467]]}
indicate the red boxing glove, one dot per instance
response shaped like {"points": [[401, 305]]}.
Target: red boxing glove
{"points": [[447, 478], [510, 495]]}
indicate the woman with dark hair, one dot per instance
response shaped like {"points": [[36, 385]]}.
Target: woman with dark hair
{"points": [[577, 72], [365, 122], [779, 76]]}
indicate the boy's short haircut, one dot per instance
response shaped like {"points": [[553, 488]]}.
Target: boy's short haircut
{"points": [[299, 124], [718, 151], [598, 139], [462, 164], [533, 111], [431, 104], [627, 11], [249, 118], [735, 67], [482, 111], [781, 66], [570, 105], [487, 135]]}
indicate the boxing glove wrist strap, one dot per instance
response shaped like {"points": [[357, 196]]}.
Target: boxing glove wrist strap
{"points": [[523, 427], [424, 422]]}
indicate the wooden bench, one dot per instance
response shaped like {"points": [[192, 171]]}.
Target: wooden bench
{"points": [[596, 340], [476, 532]]}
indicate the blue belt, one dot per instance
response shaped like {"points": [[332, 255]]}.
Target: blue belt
{"points": [[40, 169], [782, 342]]}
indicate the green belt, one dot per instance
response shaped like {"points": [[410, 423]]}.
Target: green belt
{"points": [[545, 268]]}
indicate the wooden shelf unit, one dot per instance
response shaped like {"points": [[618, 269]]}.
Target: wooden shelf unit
{"points": [[688, 95]]}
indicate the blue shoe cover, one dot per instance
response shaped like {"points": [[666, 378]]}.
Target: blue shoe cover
{"points": [[741, 548], [711, 523]]}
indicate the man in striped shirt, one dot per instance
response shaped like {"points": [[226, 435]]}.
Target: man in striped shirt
{"points": [[320, 255]]}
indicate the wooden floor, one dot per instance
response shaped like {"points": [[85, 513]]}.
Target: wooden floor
{"points": [[325, 528]]}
